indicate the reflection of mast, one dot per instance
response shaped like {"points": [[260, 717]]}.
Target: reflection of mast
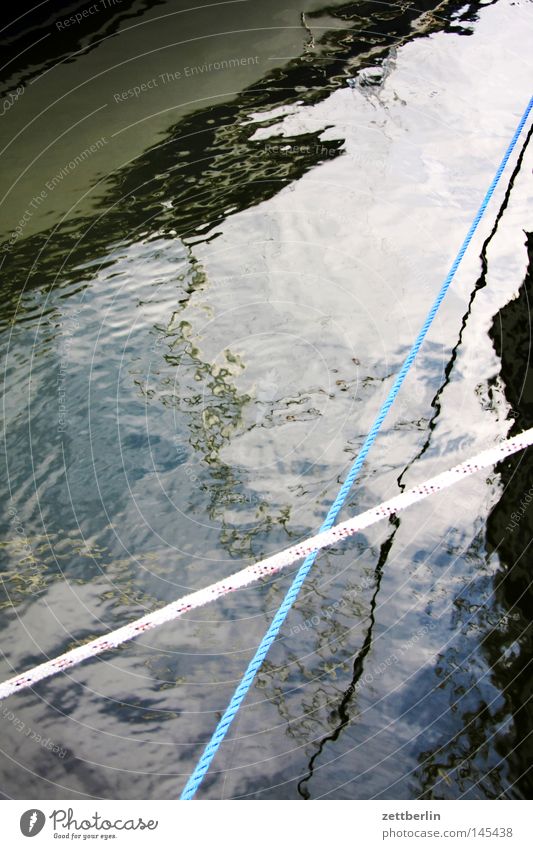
{"points": [[342, 711], [522, 310]]}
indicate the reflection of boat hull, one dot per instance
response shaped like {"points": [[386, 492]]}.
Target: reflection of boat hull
{"points": [[198, 68]]}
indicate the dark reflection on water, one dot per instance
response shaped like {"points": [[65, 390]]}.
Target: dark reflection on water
{"points": [[47, 33], [122, 293]]}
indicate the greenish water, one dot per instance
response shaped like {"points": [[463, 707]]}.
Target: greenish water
{"points": [[215, 255]]}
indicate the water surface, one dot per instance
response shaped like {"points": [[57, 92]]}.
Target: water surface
{"points": [[200, 319]]}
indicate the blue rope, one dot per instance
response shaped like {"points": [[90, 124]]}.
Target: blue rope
{"points": [[253, 667]]}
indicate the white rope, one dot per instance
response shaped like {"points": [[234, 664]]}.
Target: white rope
{"points": [[269, 566]]}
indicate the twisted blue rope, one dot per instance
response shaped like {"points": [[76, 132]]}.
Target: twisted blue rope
{"points": [[253, 667]]}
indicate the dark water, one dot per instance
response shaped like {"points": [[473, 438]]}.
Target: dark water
{"points": [[215, 254]]}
